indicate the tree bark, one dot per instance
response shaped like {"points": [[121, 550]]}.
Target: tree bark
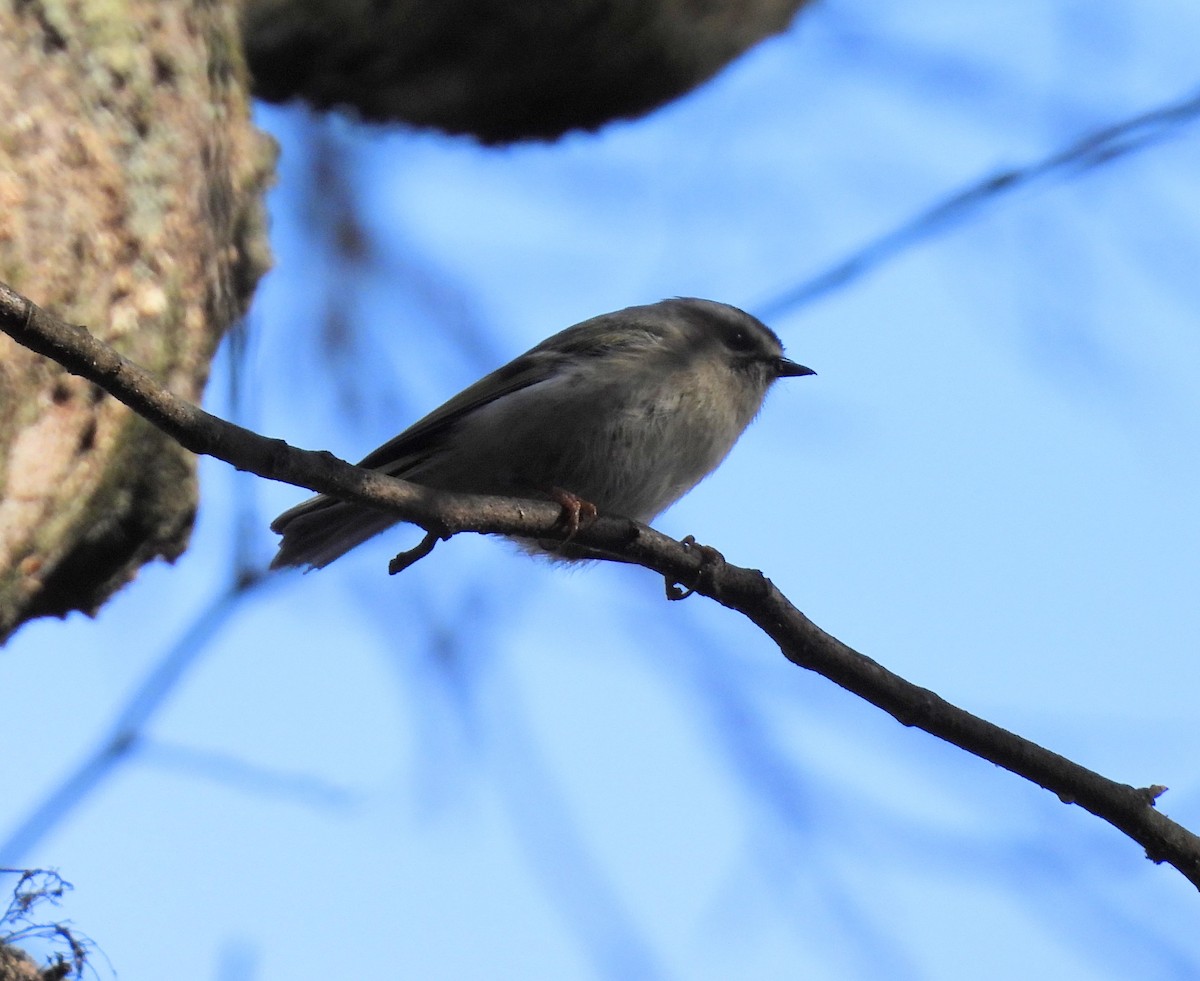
{"points": [[500, 70], [131, 185], [16, 965]]}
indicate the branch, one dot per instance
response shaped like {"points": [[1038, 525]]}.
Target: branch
{"points": [[746, 591], [1092, 150], [127, 734]]}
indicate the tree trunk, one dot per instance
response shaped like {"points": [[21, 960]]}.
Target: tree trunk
{"points": [[131, 185]]}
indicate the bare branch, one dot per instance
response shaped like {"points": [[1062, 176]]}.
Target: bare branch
{"points": [[745, 590], [1098, 147]]}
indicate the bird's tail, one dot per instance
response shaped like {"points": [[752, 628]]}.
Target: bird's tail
{"points": [[322, 529]]}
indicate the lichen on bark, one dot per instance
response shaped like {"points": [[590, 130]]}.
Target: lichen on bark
{"points": [[131, 183]]}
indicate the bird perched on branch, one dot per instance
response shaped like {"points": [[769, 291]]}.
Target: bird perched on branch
{"points": [[622, 414]]}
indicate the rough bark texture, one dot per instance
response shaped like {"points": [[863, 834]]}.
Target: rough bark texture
{"points": [[16, 965], [501, 70], [131, 181]]}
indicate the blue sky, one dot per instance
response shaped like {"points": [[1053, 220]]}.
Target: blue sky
{"points": [[491, 767]]}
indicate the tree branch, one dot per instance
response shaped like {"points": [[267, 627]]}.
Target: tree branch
{"points": [[1100, 146], [745, 590]]}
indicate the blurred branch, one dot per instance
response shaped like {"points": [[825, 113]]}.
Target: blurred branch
{"points": [[549, 837], [238, 774], [127, 731], [745, 590], [1098, 147], [245, 565]]}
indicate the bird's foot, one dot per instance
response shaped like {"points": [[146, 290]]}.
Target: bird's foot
{"points": [[710, 561], [576, 512]]}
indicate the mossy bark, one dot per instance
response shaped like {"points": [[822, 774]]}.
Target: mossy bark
{"points": [[131, 183]]}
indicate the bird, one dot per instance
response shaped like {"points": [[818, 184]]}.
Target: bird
{"points": [[621, 415]]}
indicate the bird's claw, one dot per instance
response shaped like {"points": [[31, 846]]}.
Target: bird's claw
{"points": [[710, 561], [576, 512]]}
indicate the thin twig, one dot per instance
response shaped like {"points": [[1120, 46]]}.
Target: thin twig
{"points": [[744, 590], [1098, 147], [414, 555]]}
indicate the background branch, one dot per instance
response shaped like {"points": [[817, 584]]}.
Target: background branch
{"points": [[1100, 146], [744, 590], [128, 729]]}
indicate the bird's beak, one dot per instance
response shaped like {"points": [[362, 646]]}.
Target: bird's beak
{"points": [[785, 368]]}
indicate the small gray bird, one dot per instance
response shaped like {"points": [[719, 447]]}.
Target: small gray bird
{"points": [[627, 411]]}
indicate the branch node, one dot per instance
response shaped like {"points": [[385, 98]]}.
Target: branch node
{"points": [[417, 552]]}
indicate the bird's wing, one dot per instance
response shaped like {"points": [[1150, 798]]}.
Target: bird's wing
{"points": [[529, 369], [590, 339]]}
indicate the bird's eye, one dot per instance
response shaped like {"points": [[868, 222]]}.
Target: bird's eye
{"points": [[739, 339]]}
